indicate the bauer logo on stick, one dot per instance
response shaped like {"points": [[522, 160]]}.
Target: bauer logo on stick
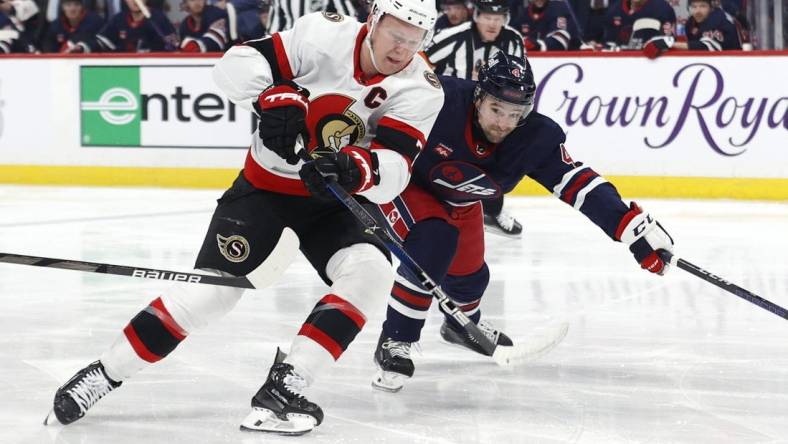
{"points": [[234, 248]]}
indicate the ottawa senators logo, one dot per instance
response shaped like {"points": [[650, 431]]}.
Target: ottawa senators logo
{"points": [[234, 248], [432, 79], [333, 16], [335, 125]]}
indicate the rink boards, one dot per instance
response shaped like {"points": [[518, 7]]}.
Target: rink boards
{"points": [[684, 126]]}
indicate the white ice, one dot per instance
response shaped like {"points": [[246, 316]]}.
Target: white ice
{"points": [[647, 359]]}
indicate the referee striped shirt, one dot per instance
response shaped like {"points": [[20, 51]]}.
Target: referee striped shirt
{"points": [[455, 51], [285, 12]]}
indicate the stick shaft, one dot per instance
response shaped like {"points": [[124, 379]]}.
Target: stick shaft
{"points": [[124, 270], [725, 285]]}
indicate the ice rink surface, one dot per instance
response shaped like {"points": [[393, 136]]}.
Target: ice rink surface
{"points": [[646, 360]]}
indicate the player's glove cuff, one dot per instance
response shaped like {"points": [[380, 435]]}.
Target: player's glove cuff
{"points": [[367, 164], [645, 236], [283, 93]]}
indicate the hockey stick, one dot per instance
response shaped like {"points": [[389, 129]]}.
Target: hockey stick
{"points": [[722, 283], [259, 278], [502, 355]]}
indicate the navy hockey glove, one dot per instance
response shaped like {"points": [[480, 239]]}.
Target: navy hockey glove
{"points": [[282, 108], [645, 236], [657, 45], [353, 168]]}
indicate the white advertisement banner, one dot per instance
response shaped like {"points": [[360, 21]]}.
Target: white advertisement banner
{"points": [[704, 116], [677, 116]]}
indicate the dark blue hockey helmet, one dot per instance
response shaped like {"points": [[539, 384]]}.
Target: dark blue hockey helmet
{"points": [[492, 6], [508, 78]]}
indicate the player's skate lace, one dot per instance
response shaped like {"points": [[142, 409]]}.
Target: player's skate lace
{"points": [[505, 220], [92, 387], [397, 349], [294, 384]]}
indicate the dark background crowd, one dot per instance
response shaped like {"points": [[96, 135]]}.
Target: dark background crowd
{"points": [[653, 26]]}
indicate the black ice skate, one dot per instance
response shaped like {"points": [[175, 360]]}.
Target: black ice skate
{"points": [[394, 364], [76, 396], [463, 339], [503, 224], [279, 407]]}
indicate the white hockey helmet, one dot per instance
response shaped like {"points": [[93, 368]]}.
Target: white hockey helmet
{"points": [[420, 13]]}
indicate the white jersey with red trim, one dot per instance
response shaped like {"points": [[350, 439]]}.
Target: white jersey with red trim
{"points": [[391, 115]]}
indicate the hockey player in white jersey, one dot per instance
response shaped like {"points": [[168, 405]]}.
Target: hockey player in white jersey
{"points": [[363, 104]]}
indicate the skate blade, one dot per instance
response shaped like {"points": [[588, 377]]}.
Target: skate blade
{"points": [[264, 420], [501, 233], [390, 382], [51, 419]]}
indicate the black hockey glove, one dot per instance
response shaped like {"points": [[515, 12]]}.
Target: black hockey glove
{"points": [[282, 108], [353, 168], [645, 236]]}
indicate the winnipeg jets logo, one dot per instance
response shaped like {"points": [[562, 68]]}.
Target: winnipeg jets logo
{"points": [[467, 186]]}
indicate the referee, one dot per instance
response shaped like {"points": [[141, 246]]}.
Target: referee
{"points": [[458, 51], [285, 12]]}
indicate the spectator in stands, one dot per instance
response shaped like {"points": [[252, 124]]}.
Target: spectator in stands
{"points": [[631, 23], [590, 16], [23, 16], [74, 24], [132, 32], [454, 12], [709, 28], [205, 29], [247, 19], [547, 26]]}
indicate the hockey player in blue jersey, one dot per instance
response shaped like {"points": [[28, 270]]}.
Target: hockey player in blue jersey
{"points": [[709, 28], [547, 26], [204, 29], [130, 31], [486, 139], [74, 24], [629, 24]]}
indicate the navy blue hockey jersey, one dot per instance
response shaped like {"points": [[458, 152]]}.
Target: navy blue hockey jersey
{"points": [[632, 27], [123, 34], [60, 31], [457, 163], [550, 28], [719, 31], [248, 24], [211, 34]]}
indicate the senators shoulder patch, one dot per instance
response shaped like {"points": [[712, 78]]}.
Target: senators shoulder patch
{"points": [[333, 16], [432, 79]]}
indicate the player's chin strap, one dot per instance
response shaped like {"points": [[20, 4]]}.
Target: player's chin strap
{"points": [[368, 44]]}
